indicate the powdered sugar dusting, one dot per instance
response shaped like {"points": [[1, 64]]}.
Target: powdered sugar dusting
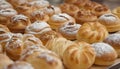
{"points": [[8, 12], [114, 38], [102, 48], [19, 17], [71, 29], [108, 18]]}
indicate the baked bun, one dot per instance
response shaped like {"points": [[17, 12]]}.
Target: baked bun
{"points": [[5, 5], [100, 10], [5, 35], [43, 59], [4, 61], [14, 47], [111, 21], [69, 9], [20, 65], [105, 54], [39, 15], [92, 32], [51, 10], [70, 1], [18, 23], [6, 14], [113, 40], [116, 11], [69, 30], [83, 16], [42, 31], [60, 19], [74, 55], [39, 4], [1, 49]]}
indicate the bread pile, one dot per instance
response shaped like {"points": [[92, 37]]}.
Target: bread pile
{"points": [[74, 35]]}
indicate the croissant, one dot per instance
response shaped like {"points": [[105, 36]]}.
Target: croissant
{"points": [[74, 55]]}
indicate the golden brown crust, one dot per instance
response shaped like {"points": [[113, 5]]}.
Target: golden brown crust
{"points": [[18, 23], [85, 16], [80, 3], [116, 11], [69, 9], [42, 59], [92, 32], [4, 61]]}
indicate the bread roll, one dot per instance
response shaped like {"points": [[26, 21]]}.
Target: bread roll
{"points": [[105, 54], [18, 23], [20, 65], [74, 55], [41, 58], [5, 5], [116, 11], [69, 30], [113, 40], [4, 61], [92, 32], [111, 21]]}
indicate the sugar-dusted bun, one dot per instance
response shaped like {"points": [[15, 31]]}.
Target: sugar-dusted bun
{"points": [[114, 40], [14, 46], [105, 54], [5, 35], [30, 40], [69, 30], [40, 4], [111, 21], [6, 14], [69, 9], [116, 11], [5, 5], [92, 32], [4, 61], [39, 15], [51, 10], [18, 23], [20, 65], [60, 19], [42, 59], [74, 55], [100, 10], [83, 16], [42, 31]]}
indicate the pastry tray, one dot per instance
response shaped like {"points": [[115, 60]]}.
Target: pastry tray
{"points": [[111, 4]]}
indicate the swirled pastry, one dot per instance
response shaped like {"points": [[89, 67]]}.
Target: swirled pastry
{"points": [[69, 30], [60, 19], [43, 59], [69, 9], [39, 15], [100, 10], [105, 54], [51, 10], [111, 21], [5, 15], [41, 30], [18, 23], [19, 65], [85, 16], [4, 61], [116, 11], [74, 55], [92, 32], [113, 40]]}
